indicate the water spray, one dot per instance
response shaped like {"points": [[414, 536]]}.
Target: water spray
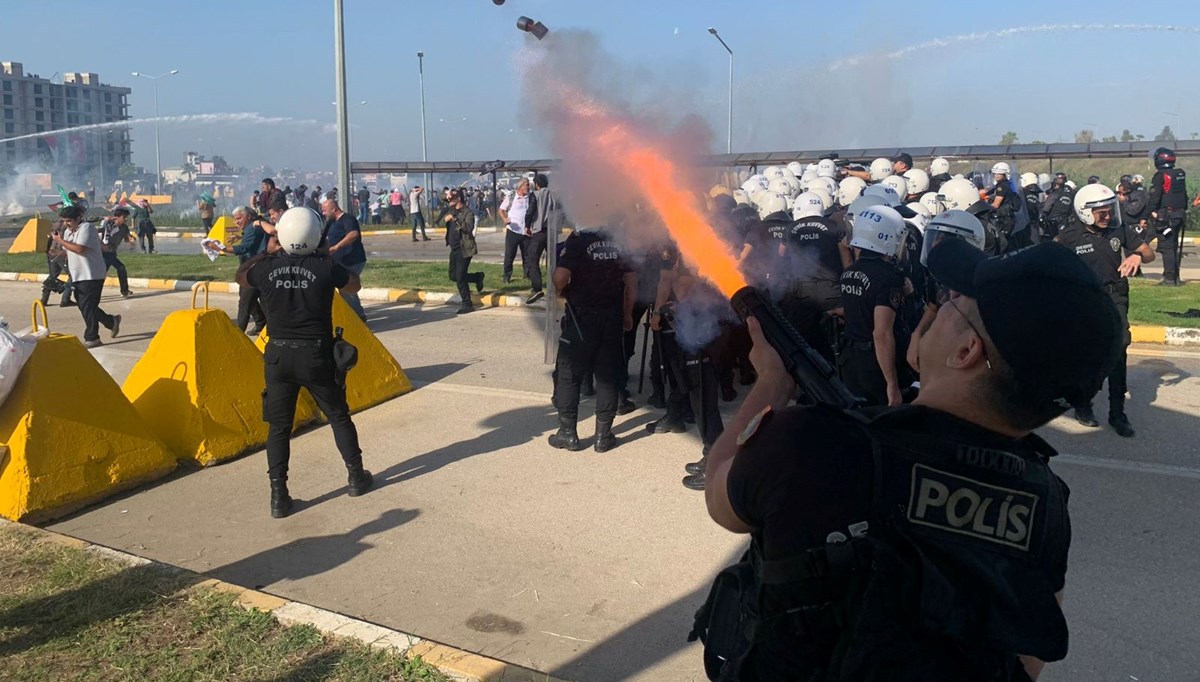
{"points": [[241, 117]]}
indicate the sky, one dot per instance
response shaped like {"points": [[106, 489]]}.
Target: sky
{"points": [[276, 59]]}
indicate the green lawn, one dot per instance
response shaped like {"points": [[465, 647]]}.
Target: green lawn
{"points": [[68, 614], [1151, 304], [430, 276]]}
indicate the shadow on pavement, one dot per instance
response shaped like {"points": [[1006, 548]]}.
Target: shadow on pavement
{"points": [[385, 317], [307, 557], [433, 373], [643, 643]]}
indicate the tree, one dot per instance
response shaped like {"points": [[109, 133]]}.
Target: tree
{"points": [[127, 171], [1165, 136], [1140, 137], [1126, 136], [188, 170], [1085, 136], [1038, 142], [1008, 138], [220, 165], [1109, 138]]}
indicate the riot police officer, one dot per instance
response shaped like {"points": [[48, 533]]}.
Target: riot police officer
{"points": [[296, 286], [926, 542], [1168, 209], [1102, 240], [1058, 206], [872, 293], [599, 288], [815, 254], [1031, 193]]}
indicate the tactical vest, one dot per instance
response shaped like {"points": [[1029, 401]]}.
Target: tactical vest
{"points": [[949, 582]]}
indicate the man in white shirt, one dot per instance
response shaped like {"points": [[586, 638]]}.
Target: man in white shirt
{"points": [[513, 212], [86, 264], [415, 210]]}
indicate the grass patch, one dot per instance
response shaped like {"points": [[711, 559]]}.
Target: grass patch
{"points": [[427, 275], [1150, 304], [67, 614]]}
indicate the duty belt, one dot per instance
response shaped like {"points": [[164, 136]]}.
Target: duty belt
{"points": [[1116, 287], [300, 343]]}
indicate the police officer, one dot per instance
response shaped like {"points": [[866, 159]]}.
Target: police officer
{"points": [[1031, 193], [1134, 211], [1058, 206], [1168, 209], [296, 285], [599, 289], [872, 292], [1004, 201], [815, 254], [926, 542], [1101, 240]]}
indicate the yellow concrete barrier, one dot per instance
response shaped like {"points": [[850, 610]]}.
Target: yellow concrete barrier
{"points": [[226, 231], [32, 237], [377, 376], [199, 386], [69, 437]]}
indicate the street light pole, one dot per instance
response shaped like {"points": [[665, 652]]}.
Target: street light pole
{"points": [[729, 137], [424, 145], [343, 127], [157, 153]]}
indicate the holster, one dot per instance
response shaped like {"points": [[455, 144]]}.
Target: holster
{"points": [[345, 357]]}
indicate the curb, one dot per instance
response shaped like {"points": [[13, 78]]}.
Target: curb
{"points": [[456, 663], [366, 294]]}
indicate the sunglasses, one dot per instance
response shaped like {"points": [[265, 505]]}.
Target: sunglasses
{"points": [[975, 329]]}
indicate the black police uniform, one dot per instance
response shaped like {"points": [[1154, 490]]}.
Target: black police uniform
{"points": [[297, 293], [935, 553], [813, 257], [1103, 251], [763, 266], [591, 341], [936, 181], [1058, 209], [1168, 198], [1006, 213], [868, 284], [1032, 194]]}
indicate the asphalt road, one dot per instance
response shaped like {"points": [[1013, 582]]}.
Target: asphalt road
{"points": [[590, 567]]}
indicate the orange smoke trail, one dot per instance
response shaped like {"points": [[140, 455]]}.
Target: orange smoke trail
{"points": [[657, 177]]}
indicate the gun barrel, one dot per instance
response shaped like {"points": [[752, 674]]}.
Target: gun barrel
{"points": [[811, 372]]}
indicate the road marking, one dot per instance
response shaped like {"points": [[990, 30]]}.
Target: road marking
{"points": [[1151, 353], [1137, 467]]}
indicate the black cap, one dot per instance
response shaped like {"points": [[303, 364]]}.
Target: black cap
{"points": [[71, 212], [1046, 313], [903, 156]]}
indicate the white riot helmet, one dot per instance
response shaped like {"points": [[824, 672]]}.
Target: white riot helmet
{"points": [[826, 168], [919, 217], [859, 204], [959, 194], [917, 179], [786, 173], [897, 183], [939, 166], [780, 186], [807, 205], [827, 184], [952, 224], [885, 193], [794, 185], [772, 172], [796, 168], [740, 196], [826, 197], [771, 202], [1072, 185], [931, 203], [750, 186], [849, 189], [880, 169], [1001, 169], [760, 179], [1028, 179], [1044, 181], [299, 231], [879, 229], [1094, 196]]}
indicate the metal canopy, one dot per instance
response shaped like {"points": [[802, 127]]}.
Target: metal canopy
{"points": [[1061, 150]]}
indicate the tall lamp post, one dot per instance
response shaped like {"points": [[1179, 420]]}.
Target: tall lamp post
{"points": [[339, 84], [424, 145], [157, 154], [729, 137]]}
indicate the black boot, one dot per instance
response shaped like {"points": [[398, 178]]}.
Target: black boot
{"points": [[667, 424], [478, 277], [605, 439], [281, 502], [1084, 415], [360, 480], [698, 467], [625, 404], [657, 399], [694, 482], [1118, 420], [565, 438]]}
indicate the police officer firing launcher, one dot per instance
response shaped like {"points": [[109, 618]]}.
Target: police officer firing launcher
{"points": [[924, 542], [297, 283]]}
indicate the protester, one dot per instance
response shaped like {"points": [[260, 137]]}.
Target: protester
{"points": [[415, 199], [86, 264], [145, 226], [344, 238], [254, 241], [114, 231]]}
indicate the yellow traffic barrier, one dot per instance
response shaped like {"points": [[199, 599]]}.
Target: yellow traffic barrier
{"points": [[68, 436], [32, 237], [377, 376], [226, 231], [199, 386]]}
